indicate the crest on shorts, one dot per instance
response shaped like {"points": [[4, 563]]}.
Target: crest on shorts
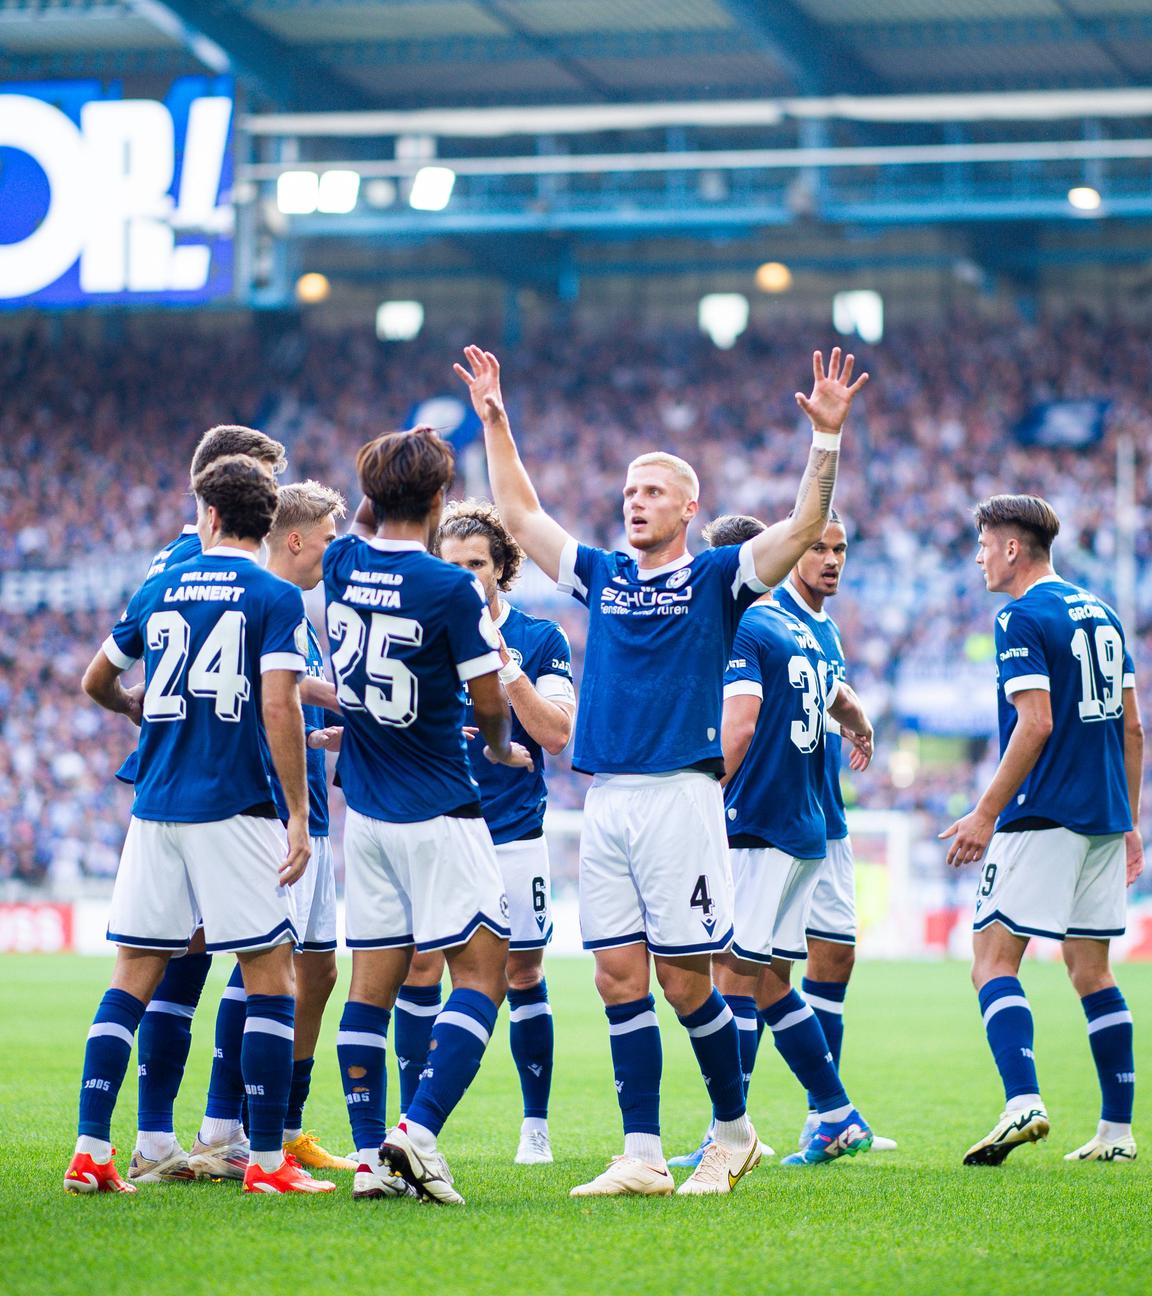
{"points": [[678, 578]]}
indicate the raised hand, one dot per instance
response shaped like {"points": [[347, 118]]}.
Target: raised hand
{"points": [[832, 396], [483, 380]]}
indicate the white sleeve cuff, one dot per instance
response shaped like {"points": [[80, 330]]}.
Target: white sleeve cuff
{"points": [[1020, 683], [556, 688], [282, 661], [478, 666], [567, 582], [746, 574], [744, 688], [1129, 680], [833, 693], [116, 656]]}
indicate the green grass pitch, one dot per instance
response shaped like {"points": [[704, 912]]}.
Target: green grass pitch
{"points": [[911, 1221]]}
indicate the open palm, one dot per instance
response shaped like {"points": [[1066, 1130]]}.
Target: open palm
{"points": [[483, 381], [831, 397]]}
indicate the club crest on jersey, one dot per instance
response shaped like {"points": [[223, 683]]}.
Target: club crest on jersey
{"points": [[678, 578], [516, 655]]}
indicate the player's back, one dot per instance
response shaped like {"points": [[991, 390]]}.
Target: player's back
{"points": [[206, 629], [315, 717], [775, 795], [1063, 639], [407, 632]]}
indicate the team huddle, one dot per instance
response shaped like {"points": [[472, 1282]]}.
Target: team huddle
{"points": [[714, 708]]}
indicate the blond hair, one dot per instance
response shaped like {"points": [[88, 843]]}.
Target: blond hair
{"points": [[681, 469], [305, 504]]}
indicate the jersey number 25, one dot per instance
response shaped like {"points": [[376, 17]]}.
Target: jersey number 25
{"points": [[391, 694]]}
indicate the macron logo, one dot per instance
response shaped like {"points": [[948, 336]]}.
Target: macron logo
{"points": [[1002, 620]]}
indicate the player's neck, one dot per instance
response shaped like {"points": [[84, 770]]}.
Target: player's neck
{"points": [[661, 555], [232, 542], [812, 598], [280, 565], [396, 530], [1023, 581]]}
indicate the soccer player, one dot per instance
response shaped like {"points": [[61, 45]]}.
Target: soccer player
{"points": [[304, 526], [831, 933], [1057, 826], [165, 1034], [223, 647], [409, 631], [654, 873], [537, 680]]}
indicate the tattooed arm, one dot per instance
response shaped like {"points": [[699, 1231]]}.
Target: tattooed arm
{"points": [[777, 549]]}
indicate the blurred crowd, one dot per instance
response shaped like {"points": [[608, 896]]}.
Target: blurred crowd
{"points": [[97, 438]]}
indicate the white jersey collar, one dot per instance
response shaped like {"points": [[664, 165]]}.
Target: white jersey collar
{"points": [[227, 551], [806, 607], [1043, 580], [652, 573], [190, 529], [505, 610], [395, 546]]}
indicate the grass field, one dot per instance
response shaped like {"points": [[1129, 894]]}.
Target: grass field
{"points": [[910, 1221]]}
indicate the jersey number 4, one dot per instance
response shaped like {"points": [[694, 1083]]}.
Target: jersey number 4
{"points": [[391, 693], [217, 671]]}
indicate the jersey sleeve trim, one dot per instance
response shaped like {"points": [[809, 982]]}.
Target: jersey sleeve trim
{"points": [[116, 656], [282, 661], [833, 693], [556, 688], [1129, 680], [567, 582], [746, 573], [744, 688], [484, 665], [1022, 682]]}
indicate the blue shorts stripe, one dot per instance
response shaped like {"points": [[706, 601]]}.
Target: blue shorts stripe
{"points": [[546, 939], [147, 942], [461, 937], [285, 928], [833, 938], [790, 956], [1015, 928], [612, 942], [716, 946], [750, 956], [384, 942], [316, 947], [1096, 933]]}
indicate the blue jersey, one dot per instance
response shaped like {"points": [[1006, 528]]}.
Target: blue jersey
{"points": [[652, 692], [775, 797], [1060, 638], [186, 545], [514, 800], [207, 629], [407, 632], [314, 718], [827, 634]]}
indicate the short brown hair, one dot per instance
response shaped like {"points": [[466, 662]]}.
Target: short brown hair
{"points": [[732, 529], [304, 504], [231, 439], [1034, 518], [402, 473], [472, 517], [242, 494]]}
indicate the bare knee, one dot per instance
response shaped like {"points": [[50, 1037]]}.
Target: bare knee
{"points": [[686, 983], [1088, 966], [830, 961], [316, 976], [622, 975], [525, 969]]}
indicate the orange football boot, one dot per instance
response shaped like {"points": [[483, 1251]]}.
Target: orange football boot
{"points": [[87, 1176], [288, 1177]]}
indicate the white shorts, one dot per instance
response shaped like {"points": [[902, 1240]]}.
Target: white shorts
{"points": [[1053, 882], [528, 885], [654, 864], [225, 875], [773, 900], [833, 913], [430, 884], [315, 899]]}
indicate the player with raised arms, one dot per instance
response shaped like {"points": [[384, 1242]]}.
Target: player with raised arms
{"points": [[223, 643], [408, 632], [654, 872], [1057, 826], [537, 680]]}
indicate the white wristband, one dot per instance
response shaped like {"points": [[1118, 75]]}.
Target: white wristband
{"points": [[825, 440], [511, 673]]}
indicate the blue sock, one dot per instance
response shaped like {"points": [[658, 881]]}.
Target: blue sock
{"points": [[531, 1037], [638, 1062], [417, 1008], [459, 1038], [1008, 1023], [106, 1060], [800, 1041], [361, 1044], [716, 1043], [298, 1094], [165, 1037], [226, 1083], [266, 1062], [750, 1028], [826, 999], [1110, 1036]]}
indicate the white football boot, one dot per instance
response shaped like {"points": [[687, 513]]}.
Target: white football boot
{"points": [[535, 1148], [1102, 1147], [427, 1172], [721, 1169], [628, 1176], [1024, 1125]]}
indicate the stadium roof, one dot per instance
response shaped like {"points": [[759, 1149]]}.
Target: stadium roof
{"points": [[355, 54]]}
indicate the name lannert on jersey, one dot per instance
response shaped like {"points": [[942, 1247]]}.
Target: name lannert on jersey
{"points": [[646, 602], [355, 594], [376, 578], [205, 593]]}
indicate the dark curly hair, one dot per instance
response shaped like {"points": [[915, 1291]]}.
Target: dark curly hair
{"points": [[402, 472], [473, 517], [241, 492]]}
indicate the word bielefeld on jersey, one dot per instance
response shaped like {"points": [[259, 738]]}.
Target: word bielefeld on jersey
{"points": [[827, 634], [186, 545], [514, 800], [652, 689], [315, 718], [408, 631], [1060, 638], [775, 797], [207, 628]]}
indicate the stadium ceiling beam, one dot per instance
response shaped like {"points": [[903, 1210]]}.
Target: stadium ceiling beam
{"points": [[815, 56], [224, 40], [546, 47], [925, 37]]}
